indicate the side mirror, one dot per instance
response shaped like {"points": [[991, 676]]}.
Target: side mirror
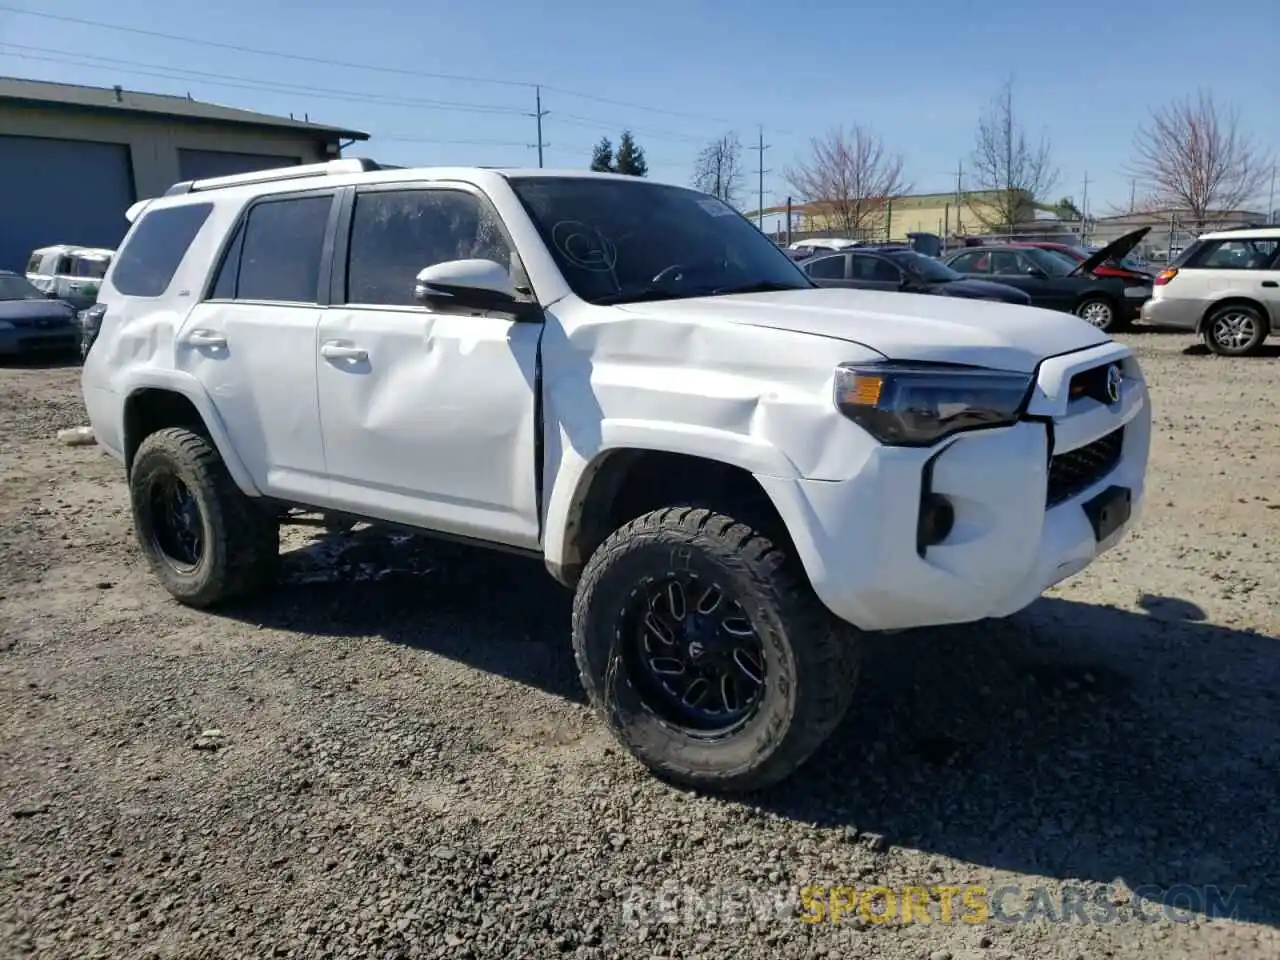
{"points": [[466, 284], [1036, 273]]}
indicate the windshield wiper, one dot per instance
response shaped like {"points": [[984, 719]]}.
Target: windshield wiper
{"points": [[763, 286], [642, 295]]}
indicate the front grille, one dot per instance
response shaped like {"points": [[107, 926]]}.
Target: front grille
{"points": [[1079, 469], [1090, 383]]}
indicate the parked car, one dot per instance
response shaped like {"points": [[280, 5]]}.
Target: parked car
{"points": [[69, 272], [1052, 282], [904, 270], [735, 470], [31, 322], [1226, 287], [1122, 268]]}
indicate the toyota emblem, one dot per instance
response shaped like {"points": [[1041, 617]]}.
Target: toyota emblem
{"points": [[1113, 383]]}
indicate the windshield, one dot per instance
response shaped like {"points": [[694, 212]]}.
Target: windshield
{"points": [[1052, 262], [626, 240], [93, 269], [926, 268], [18, 288]]}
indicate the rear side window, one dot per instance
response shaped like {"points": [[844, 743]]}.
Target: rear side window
{"points": [[280, 251], [146, 265], [1241, 254]]}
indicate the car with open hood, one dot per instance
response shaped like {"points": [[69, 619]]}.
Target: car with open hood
{"points": [[1056, 282]]}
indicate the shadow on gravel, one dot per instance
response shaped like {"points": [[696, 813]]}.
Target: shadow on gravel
{"points": [[1070, 741], [40, 361], [1268, 351]]}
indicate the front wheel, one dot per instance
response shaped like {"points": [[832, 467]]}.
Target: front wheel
{"points": [[1097, 312], [1235, 330], [707, 653]]}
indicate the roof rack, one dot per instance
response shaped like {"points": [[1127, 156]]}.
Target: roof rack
{"points": [[329, 168]]}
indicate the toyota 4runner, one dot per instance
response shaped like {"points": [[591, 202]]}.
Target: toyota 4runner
{"points": [[736, 471]]}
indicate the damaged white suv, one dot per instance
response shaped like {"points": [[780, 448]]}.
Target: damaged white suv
{"points": [[736, 471]]}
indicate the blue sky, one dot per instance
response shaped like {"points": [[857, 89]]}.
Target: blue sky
{"points": [[918, 72]]}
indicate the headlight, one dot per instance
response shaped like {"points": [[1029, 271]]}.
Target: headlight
{"points": [[916, 405]]}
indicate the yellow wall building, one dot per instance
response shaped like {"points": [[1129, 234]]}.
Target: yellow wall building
{"points": [[929, 212]]}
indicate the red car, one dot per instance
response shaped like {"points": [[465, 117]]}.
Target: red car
{"points": [[1119, 267]]}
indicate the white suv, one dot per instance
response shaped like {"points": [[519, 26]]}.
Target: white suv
{"points": [[1225, 287], [736, 470]]}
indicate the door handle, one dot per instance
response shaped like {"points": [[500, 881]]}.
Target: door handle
{"points": [[336, 350], [206, 338], [1270, 283]]}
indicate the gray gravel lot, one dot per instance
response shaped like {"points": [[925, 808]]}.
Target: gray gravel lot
{"points": [[390, 757]]}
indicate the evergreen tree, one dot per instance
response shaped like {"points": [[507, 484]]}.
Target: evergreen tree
{"points": [[602, 156], [630, 158]]}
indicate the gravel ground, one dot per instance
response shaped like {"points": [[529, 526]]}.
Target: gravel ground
{"points": [[390, 757]]}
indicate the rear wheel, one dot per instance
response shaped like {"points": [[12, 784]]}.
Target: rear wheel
{"points": [[1235, 330], [205, 540], [707, 653], [1098, 312]]}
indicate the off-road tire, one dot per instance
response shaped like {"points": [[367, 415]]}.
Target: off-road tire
{"points": [[241, 542], [811, 657], [1260, 330]]}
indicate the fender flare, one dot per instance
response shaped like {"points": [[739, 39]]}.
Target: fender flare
{"points": [[193, 391]]}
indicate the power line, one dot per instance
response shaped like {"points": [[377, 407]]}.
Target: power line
{"points": [[325, 61], [249, 83]]}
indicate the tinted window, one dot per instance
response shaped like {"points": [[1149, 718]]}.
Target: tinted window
{"points": [[93, 269], [874, 270], [1007, 262], [159, 241], [628, 239], [280, 255], [826, 268], [1054, 264], [34, 265], [395, 234], [966, 263], [1236, 254], [224, 285], [927, 268], [18, 288]]}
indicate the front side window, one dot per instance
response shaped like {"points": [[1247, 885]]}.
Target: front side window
{"points": [[281, 248], [970, 263], [826, 268], [91, 269], [1054, 264], [155, 248], [630, 239], [397, 233]]}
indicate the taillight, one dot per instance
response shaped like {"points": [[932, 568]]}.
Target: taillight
{"points": [[1165, 275]]}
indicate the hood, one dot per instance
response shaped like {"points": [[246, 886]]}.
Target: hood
{"points": [[980, 288], [1115, 250], [901, 326], [40, 308]]}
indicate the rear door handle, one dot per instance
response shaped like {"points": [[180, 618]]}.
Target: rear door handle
{"points": [[337, 350], [206, 338], [1270, 283]]}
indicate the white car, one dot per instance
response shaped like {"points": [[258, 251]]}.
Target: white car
{"points": [[1225, 287], [737, 472]]}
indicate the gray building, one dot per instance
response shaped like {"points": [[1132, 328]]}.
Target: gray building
{"points": [[73, 159]]}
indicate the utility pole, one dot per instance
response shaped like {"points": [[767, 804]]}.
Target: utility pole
{"points": [[538, 114], [959, 196], [761, 147], [1133, 190], [1084, 210]]}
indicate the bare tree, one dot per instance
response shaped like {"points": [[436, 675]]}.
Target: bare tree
{"points": [[718, 168], [1007, 165], [1192, 156], [850, 177]]}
